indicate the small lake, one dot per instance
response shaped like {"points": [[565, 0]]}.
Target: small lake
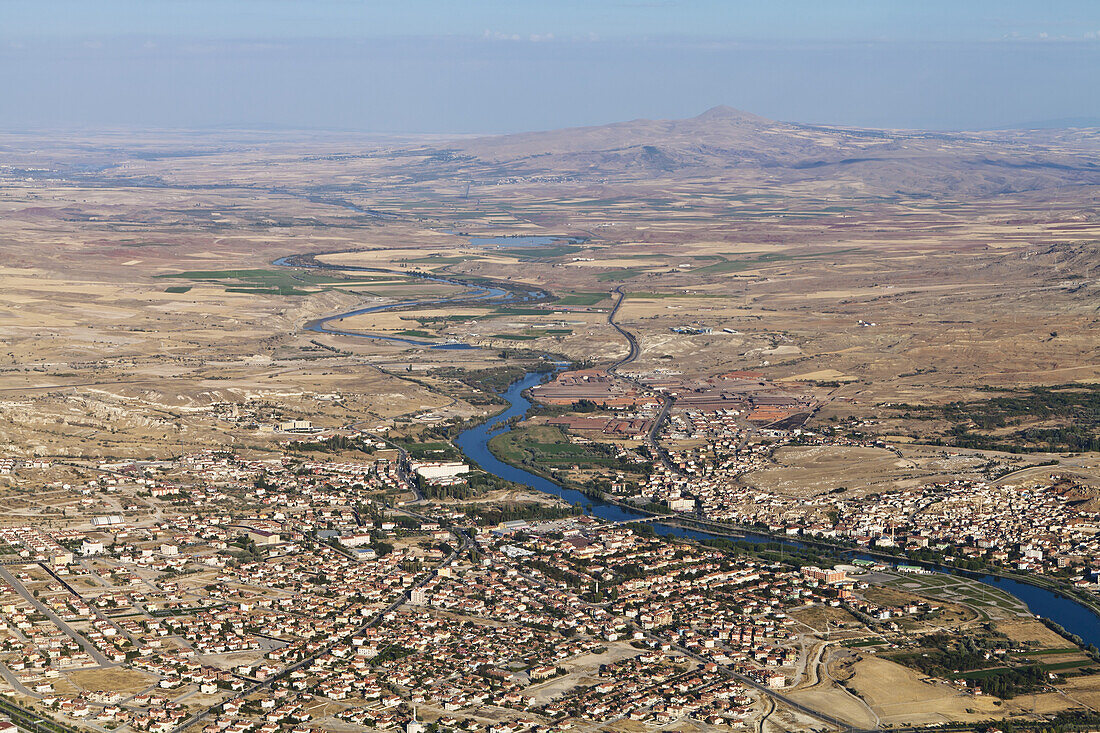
{"points": [[522, 241]]}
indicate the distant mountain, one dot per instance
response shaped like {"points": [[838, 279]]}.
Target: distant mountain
{"points": [[721, 134], [728, 142], [1061, 123]]}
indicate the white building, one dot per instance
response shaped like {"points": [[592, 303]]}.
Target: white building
{"points": [[89, 548], [439, 469]]}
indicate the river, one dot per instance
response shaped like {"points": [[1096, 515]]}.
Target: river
{"points": [[474, 293], [474, 442]]}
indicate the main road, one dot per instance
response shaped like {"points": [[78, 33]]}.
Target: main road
{"points": [[634, 350], [631, 339]]}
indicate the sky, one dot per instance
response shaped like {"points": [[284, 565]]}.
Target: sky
{"points": [[486, 66]]}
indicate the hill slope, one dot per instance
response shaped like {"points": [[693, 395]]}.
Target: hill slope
{"points": [[728, 142]]}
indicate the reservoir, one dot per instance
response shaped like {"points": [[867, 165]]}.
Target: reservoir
{"points": [[522, 241]]}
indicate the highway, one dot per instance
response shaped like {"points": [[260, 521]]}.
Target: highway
{"points": [[632, 354], [631, 340]]}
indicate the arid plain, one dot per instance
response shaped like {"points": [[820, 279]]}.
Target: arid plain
{"points": [[163, 294], [970, 278]]}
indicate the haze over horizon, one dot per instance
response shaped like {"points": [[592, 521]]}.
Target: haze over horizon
{"points": [[493, 67]]}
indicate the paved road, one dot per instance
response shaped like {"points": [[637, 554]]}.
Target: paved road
{"points": [[631, 340], [402, 455], [57, 621], [76, 593], [732, 673], [632, 354], [18, 686], [1066, 464], [774, 694], [651, 436]]}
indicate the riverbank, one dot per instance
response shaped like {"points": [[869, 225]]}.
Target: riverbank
{"points": [[1045, 598], [1042, 596], [479, 290]]}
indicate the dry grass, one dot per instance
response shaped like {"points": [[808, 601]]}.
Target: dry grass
{"points": [[126, 681]]}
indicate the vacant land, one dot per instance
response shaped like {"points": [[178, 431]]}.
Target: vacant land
{"points": [[117, 292], [989, 601], [897, 694], [128, 682]]}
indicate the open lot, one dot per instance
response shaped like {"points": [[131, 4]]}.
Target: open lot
{"points": [[989, 601]]}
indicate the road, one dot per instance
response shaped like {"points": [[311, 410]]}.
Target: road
{"points": [[825, 674], [774, 694], [631, 340], [64, 583], [632, 354], [1066, 464], [18, 686], [402, 456], [19, 588], [730, 672]]}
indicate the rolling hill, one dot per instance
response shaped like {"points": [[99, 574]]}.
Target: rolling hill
{"points": [[727, 142]]}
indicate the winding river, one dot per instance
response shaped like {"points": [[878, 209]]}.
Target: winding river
{"points": [[473, 294], [1075, 617], [1071, 615]]}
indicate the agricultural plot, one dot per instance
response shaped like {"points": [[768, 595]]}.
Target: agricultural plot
{"points": [[275, 282], [545, 447], [581, 299]]}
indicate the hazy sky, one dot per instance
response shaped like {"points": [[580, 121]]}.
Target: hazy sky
{"points": [[505, 65]]}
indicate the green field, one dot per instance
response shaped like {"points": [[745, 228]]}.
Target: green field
{"points": [[979, 674], [277, 282], [581, 299], [538, 253], [1064, 650], [435, 451], [623, 274], [548, 447], [864, 642], [725, 266]]}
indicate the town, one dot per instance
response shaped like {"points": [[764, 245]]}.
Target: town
{"points": [[265, 595]]}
